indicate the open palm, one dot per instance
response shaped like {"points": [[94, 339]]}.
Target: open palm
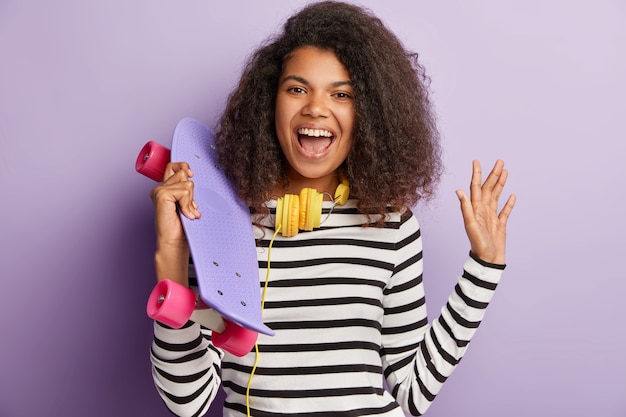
{"points": [[485, 227]]}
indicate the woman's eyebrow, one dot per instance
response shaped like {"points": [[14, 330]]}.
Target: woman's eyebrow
{"points": [[305, 82], [294, 78]]}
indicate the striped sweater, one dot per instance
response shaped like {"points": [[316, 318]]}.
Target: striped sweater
{"points": [[348, 308]]}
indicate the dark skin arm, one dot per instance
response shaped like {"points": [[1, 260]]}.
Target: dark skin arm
{"points": [[173, 194]]}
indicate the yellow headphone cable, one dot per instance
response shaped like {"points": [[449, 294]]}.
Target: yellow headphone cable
{"points": [[256, 345]]}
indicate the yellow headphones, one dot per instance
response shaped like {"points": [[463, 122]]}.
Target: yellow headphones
{"points": [[304, 212]]}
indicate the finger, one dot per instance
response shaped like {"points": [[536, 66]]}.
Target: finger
{"points": [[492, 179], [476, 182], [497, 190], [180, 175], [175, 167], [507, 209], [178, 194], [467, 209], [187, 204]]}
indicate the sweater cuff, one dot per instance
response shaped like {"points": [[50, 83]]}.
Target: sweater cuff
{"points": [[187, 334], [481, 273], [486, 264]]}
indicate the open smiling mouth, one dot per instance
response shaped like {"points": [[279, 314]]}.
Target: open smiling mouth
{"points": [[315, 142]]}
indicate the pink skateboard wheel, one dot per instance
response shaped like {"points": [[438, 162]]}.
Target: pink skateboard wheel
{"points": [[152, 160], [171, 304], [235, 339]]}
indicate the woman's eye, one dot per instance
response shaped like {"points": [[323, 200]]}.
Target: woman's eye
{"points": [[296, 90], [343, 96]]}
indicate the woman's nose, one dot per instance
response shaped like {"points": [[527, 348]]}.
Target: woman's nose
{"points": [[316, 106]]}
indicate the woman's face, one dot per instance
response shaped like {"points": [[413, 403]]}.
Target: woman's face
{"points": [[314, 117]]}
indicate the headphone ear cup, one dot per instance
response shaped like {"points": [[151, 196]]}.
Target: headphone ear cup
{"points": [[310, 209], [315, 210], [305, 204], [342, 192], [290, 215]]}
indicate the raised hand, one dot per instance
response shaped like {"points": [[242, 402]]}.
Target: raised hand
{"points": [[173, 195], [485, 227]]}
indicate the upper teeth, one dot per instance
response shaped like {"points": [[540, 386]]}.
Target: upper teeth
{"points": [[315, 132]]}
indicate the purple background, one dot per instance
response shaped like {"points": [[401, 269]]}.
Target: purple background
{"points": [[83, 85]]}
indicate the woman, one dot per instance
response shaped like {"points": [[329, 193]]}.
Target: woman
{"points": [[333, 100]]}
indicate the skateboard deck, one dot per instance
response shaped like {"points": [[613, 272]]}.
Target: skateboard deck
{"points": [[221, 241]]}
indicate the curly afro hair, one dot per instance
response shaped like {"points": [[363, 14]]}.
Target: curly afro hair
{"points": [[396, 156]]}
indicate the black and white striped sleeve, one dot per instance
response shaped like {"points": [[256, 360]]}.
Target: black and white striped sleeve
{"points": [[185, 368], [419, 357]]}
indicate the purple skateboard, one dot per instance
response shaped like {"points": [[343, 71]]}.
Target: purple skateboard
{"points": [[222, 240]]}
